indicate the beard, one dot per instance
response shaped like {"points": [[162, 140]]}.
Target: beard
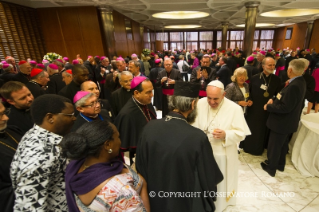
{"points": [[269, 71], [192, 116]]}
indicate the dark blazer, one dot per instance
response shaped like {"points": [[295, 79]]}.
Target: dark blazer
{"points": [[251, 70], [7, 76], [232, 64], [284, 113], [55, 84], [21, 78], [224, 74], [234, 93], [175, 75], [70, 90], [142, 69]]}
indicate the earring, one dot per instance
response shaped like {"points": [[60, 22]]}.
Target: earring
{"points": [[110, 151]]}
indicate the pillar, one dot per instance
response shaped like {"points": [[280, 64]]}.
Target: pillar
{"points": [[308, 34], [224, 34], [106, 14], [250, 24], [142, 37]]}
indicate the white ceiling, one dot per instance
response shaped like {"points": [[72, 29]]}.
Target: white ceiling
{"points": [[232, 11]]}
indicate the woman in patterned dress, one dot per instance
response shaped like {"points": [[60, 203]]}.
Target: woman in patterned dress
{"points": [[96, 179]]}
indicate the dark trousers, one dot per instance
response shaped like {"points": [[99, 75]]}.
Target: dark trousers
{"points": [[277, 150], [185, 75]]}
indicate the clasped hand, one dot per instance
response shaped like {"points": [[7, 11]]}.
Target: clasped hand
{"points": [[219, 134]]}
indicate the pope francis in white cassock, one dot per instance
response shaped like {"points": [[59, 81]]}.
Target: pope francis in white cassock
{"points": [[224, 123]]}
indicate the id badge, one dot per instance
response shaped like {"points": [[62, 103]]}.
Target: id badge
{"points": [[246, 95], [264, 87], [278, 96]]}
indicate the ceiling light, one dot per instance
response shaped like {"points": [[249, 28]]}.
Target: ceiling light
{"points": [[285, 24], [180, 15], [257, 25], [182, 26], [290, 12]]}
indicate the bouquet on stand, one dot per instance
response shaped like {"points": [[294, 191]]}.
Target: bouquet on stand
{"points": [[51, 56]]}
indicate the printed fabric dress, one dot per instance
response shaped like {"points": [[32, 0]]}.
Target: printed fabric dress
{"points": [[121, 193]]}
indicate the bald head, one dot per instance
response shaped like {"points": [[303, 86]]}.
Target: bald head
{"points": [[90, 87], [268, 65]]}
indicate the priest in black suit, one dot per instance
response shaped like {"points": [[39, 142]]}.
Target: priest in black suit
{"points": [[80, 75], [136, 113], [20, 99], [123, 94], [251, 69], [166, 79], [38, 83], [24, 74], [10, 137], [284, 116]]}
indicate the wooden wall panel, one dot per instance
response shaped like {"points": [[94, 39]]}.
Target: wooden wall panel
{"points": [[19, 35], [314, 42], [76, 30], [124, 46], [297, 38]]}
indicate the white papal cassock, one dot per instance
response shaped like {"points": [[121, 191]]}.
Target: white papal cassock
{"points": [[230, 118]]}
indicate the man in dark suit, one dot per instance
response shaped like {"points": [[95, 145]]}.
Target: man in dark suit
{"points": [[224, 73], [56, 84], [284, 116]]}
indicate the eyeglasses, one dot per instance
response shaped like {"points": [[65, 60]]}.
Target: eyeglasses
{"points": [[65, 114], [6, 112], [93, 104]]}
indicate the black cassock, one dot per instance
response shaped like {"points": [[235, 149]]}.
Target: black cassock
{"points": [[6, 156], [174, 156], [256, 115], [157, 101], [55, 84], [119, 99], [167, 89], [130, 122]]}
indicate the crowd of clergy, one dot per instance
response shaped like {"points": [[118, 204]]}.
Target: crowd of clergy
{"points": [[66, 124]]}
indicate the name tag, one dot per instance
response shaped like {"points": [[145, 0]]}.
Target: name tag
{"points": [[264, 87], [246, 95], [278, 96]]}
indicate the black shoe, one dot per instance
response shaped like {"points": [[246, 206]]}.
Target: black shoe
{"points": [[279, 168], [265, 167]]}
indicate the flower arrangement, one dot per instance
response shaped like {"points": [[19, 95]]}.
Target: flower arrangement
{"points": [[146, 52], [52, 56]]}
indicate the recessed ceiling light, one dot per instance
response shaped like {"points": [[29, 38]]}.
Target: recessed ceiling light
{"points": [[182, 26], [290, 12], [180, 15], [285, 24], [257, 25]]}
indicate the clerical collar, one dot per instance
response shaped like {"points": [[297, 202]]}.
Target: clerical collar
{"points": [[89, 119], [138, 101], [128, 90]]}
